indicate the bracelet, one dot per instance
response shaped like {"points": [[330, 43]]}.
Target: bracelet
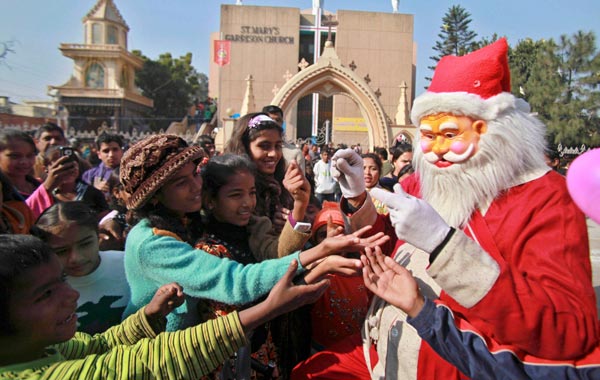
{"points": [[291, 220], [438, 249]]}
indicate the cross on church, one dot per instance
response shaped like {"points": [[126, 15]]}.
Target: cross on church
{"points": [[318, 27], [329, 23]]}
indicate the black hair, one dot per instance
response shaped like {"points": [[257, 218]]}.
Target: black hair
{"points": [[18, 254], [49, 127], [382, 152], [8, 135], [219, 170], [272, 109], [62, 214], [375, 158], [8, 193], [552, 153], [204, 141], [399, 149], [107, 138], [406, 169]]}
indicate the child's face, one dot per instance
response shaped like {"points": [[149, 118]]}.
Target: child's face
{"points": [[42, 307], [17, 159], [266, 150], [77, 249], [236, 200], [183, 193]]}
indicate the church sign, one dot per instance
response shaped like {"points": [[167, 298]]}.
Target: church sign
{"points": [[260, 34]]}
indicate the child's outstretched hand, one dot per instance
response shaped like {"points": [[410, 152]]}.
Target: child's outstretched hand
{"points": [[354, 242], [166, 298], [333, 229], [296, 183], [285, 296]]}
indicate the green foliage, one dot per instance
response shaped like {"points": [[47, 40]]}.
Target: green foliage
{"points": [[173, 84], [455, 37], [561, 83]]}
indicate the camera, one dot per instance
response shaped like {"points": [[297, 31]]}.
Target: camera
{"points": [[67, 151]]}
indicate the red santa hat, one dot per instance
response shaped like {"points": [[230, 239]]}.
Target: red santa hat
{"points": [[476, 84]]}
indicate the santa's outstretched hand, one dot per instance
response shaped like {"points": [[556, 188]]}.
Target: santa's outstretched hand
{"points": [[414, 220], [347, 169]]}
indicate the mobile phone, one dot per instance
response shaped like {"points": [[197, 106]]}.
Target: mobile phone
{"points": [[67, 151]]}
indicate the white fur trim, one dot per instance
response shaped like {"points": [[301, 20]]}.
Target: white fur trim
{"points": [[464, 103], [464, 270]]}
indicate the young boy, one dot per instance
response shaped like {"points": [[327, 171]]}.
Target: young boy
{"points": [[324, 182], [38, 323], [110, 152]]}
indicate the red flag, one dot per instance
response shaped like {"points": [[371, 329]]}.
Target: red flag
{"points": [[222, 49]]}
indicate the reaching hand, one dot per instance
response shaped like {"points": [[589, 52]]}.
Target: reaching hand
{"points": [[296, 183], [111, 235], [285, 296], [58, 171], [166, 298], [333, 264], [333, 229], [391, 282], [347, 169], [414, 220], [353, 242]]}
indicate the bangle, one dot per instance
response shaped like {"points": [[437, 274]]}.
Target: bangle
{"points": [[291, 220], [438, 249]]}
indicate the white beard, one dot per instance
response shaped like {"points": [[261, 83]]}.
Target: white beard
{"points": [[512, 146]]}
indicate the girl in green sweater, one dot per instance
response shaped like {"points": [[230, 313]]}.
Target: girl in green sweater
{"points": [[38, 338], [161, 176]]}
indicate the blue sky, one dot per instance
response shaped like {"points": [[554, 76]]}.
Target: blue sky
{"points": [[179, 26]]}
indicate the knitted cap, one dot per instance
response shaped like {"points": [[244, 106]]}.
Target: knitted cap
{"points": [[476, 84], [328, 209], [150, 163]]}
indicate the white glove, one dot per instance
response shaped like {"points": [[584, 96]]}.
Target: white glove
{"points": [[414, 220], [347, 169]]}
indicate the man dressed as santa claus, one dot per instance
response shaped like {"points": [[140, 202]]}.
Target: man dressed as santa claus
{"points": [[498, 250]]}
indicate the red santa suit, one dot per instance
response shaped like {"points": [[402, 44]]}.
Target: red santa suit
{"points": [[518, 273]]}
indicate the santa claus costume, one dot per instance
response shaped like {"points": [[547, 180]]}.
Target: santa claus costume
{"points": [[508, 261]]}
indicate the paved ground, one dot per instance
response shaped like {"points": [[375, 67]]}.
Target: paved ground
{"points": [[594, 234]]}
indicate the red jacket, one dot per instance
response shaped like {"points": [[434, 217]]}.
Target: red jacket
{"points": [[543, 303]]}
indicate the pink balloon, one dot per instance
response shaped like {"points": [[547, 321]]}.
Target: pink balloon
{"points": [[583, 182]]}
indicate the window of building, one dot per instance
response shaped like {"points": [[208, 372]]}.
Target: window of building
{"points": [[94, 77], [96, 33], [125, 77], [112, 35]]}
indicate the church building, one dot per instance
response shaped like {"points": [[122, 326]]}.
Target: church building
{"points": [[260, 49], [101, 91]]}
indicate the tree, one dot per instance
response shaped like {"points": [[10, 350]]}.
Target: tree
{"points": [[173, 84], [561, 83], [5, 48], [455, 37]]}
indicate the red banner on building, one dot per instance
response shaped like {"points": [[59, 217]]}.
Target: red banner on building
{"points": [[222, 49]]}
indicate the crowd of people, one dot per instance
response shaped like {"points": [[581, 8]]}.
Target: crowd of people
{"points": [[459, 256]]}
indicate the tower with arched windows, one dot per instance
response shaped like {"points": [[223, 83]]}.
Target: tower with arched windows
{"points": [[101, 90]]}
